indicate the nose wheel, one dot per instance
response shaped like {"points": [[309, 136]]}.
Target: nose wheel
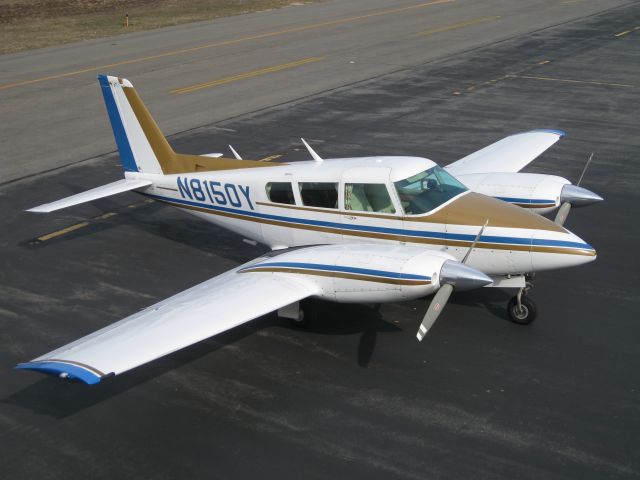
{"points": [[521, 309]]}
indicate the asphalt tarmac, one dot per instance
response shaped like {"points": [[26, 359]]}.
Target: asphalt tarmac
{"points": [[355, 395], [52, 115]]}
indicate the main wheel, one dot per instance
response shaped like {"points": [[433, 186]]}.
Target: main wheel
{"points": [[308, 313], [523, 314]]}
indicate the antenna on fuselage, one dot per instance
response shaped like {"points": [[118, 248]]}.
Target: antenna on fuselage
{"points": [[315, 156], [235, 154]]}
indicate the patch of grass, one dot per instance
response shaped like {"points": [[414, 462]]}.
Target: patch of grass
{"points": [[28, 24]]}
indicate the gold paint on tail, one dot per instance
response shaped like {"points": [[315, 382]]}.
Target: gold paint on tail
{"points": [[172, 162]]}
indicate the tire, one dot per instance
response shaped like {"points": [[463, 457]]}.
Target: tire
{"points": [[308, 313], [526, 314], [301, 322]]}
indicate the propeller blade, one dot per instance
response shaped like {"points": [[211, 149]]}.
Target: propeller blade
{"points": [[473, 245], [563, 213], [434, 310], [584, 170]]}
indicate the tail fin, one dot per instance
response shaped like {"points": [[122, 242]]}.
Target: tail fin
{"points": [[142, 146]]}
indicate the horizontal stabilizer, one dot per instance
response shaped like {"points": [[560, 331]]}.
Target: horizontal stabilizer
{"points": [[120, 186]]}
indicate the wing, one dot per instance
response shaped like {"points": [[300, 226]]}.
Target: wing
{"points": [[207, 309], [511, 154]]}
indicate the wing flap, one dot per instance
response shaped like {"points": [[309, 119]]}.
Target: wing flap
{"points": [[200, 312], [511, 154], [124, 185]]}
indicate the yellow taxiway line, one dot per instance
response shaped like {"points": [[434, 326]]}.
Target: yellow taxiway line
{"points": [[622, 34], [224, 43], [59, 233], [455, 26], [270, 158], [243, 76], [78, 226]]}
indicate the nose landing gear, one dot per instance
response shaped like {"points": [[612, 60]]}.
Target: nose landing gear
{"points": [[521, 309]]}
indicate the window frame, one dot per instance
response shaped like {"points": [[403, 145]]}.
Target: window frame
{"points": [[397, 192], [338, 199], [293, 192], [390, 194]]}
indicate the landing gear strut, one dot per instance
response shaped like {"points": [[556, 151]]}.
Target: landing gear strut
{"points": [[300, 313], [521, 308]]}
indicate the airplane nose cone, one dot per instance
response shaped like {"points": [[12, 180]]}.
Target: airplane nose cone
{"points": [[567, 250], [578, 196], [462, 277]]}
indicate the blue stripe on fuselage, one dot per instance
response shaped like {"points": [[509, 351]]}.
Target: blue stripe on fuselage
{"points": [[391, 231]]}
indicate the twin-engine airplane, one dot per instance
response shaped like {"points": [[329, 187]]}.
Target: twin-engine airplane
{"points": [[369, 229]]}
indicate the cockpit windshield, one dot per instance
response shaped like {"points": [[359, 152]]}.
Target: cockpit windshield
{"points": [[427, 190]]}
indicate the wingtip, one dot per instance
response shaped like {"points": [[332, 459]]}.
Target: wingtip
{"points": [[560, 133], [62, 370]]}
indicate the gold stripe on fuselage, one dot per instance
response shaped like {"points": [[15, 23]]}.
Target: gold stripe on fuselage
{"points": [[387, 236], [468, 209]]}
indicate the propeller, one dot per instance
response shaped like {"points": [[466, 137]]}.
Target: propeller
{"points": [[575, 196], [453, 275]]}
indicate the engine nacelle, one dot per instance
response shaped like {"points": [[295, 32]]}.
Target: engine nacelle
{"points": [[538, 192], [362, 273]]}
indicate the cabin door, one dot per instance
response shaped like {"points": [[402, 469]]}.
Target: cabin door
{"points": [[369, 211]]}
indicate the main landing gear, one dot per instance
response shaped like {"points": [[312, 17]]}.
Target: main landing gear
{"points": [[301, 314], [522, 310]]}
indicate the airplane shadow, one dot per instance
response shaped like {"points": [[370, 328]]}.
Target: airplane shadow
{"points": [[177, 226], [349, 319], [60, 399], [494, 300]]}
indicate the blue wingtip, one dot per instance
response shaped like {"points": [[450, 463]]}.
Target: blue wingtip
{"points": [[560, 133], [61, 370]]}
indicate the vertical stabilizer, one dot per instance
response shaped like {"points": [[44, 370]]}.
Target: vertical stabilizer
{"points": [[142, 146]]}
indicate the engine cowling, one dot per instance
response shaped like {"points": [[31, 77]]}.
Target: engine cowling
{"points": [[538, 192], [371, 273]]}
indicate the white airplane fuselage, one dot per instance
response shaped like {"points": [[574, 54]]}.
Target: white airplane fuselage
{"points": [[514, 242]]}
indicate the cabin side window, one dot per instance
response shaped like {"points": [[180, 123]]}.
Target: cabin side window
{"points": [[368, 197], [319, 194], [280, 192]]}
